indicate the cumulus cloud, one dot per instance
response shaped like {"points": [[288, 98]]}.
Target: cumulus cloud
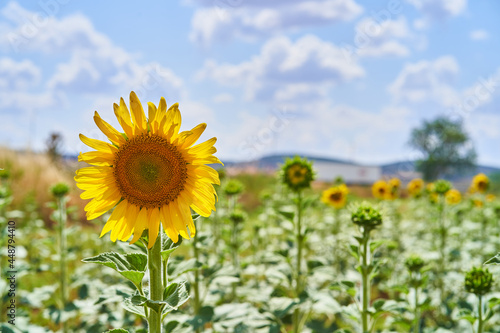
{"points": [[440, 9], [427, 81], [225, 20], [479, 34], [285, 70], [386, 38], [95, 66]]}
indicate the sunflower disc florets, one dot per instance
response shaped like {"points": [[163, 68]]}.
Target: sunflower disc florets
{"points": [[297, 173], [478, 281]]}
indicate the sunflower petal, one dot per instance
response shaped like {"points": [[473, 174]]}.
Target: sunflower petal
{"points": [[154, 225], [138, 116], [168, 225], [112, 134], [140, 224], [196, 133]]}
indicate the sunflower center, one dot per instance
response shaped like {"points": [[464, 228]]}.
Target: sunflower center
{"points": [[149, 171], [336, 196]]}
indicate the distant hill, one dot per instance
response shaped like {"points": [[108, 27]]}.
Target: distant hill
{"points": [[395, 168]]}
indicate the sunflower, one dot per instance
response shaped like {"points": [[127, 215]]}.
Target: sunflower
{"points": [[380, 189], [453, 197], [297, 173], [480, 183], [415, 187], [335, 196], [394, 184], [490, 197], [150, 173]]}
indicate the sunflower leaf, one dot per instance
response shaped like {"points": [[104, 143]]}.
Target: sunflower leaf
{"points": [[168, 246], [180, 266], [495, 260], [131, 266]]}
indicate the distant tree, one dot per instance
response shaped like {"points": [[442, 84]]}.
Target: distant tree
{"points": [[446, 147], [54, 145]]}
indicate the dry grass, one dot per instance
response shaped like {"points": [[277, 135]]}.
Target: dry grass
{"points": [[32, 175]]}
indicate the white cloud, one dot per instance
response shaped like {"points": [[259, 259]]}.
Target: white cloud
{"points": [[427, 81], [285, 70], [18, 75], [377, 39], [440, 9], [220, 20], [479, 35], [223, 98]]}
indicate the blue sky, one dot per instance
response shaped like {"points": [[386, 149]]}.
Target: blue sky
{"points": [[336, 78]]}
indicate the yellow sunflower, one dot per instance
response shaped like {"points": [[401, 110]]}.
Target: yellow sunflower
{"points": [[415, 187], [150, 173], [335, 196], [490, 197], [453, 197], [380, 189], [394, 184], [480, 183]]}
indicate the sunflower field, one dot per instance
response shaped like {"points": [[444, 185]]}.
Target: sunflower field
{"points": [[169, 242]]}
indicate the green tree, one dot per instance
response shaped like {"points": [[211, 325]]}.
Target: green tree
{"points": [[446, 147]]}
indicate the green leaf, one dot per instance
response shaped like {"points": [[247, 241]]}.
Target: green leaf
{"points": [[378, 304], [204, 316], [168, 246], [376, 244], [494, 261], [180, 266], [281, 306], [467, 315], [129, 306], [131, 265], [117, 330], [175, 294], [287, 214]]}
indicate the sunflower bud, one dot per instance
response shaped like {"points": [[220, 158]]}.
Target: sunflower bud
{"points": [[297, 173], [367, 217], [442, 186], [233, 187], [478, 281], [4, 174], [414, 263], [59, 190], [237, 217]]}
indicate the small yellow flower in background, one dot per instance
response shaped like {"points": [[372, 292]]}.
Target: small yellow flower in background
{"points": [[478, 203], [415, 187], [480, 183], [453, 197], [380, 189], [335, 196], [429, 188], [151, 173], [490, 197], [433, 197], [394, 186]]}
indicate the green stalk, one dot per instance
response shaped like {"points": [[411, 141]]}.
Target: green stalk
{"points": [[155, 285], [480, 315], [298, 285], [62, 256], [366, 282], [416, 312], [196, 285]]}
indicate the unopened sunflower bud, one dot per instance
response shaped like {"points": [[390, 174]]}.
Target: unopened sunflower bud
{"points": [[478, 281], [233, 187], [59, 190], [442, 186], [414, 263], [367, 217]]}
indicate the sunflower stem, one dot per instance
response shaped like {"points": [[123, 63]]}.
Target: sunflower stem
{"points": [[155, 285], [480, 314], [196, 285], [62, 257], [298, 283], [365, 257]]}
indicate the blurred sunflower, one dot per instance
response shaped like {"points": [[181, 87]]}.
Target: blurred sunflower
{"points": [[453, 197], [335, 196], [415, 187], [480, 183], [297, 173], [490, 197], [394, 185], [380, 189], [150, 173]]}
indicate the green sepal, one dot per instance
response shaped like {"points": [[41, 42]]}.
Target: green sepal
{"points": [[131, 266]]}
